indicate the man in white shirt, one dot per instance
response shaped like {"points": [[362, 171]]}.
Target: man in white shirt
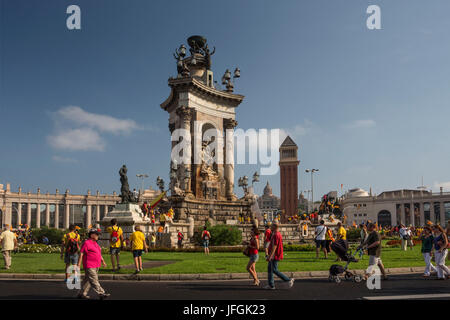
{"points": [[321, 231], [404, 236], [9, 243]]}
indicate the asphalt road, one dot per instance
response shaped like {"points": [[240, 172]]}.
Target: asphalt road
{"points": [[397, 287]]}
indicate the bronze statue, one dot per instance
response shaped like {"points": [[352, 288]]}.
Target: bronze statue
{"points": [[125, 195], [208, 55]]}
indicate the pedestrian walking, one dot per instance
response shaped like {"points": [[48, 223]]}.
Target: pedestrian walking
{"points": [[373, 246], [206, 236], [70, 248], [180, 237], [115, 243], [9, 243], [138, 245], [363, 233], [91, 256], [404, 235], [253, 249], [320, 240], [275, 256], [440, 252], [427, 246], [153, 240], [267, 234]]}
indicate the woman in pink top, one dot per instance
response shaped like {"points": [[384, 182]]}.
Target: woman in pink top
{"points": [[91, 255]]}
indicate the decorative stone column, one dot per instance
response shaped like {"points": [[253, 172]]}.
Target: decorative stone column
{"points": [[56, 215], [29, 214], [47, 214], [97, 215], [66, 215], [229, 125], [88, 215], [422, 213], [19, 213], [186, 114], [38, 215]]}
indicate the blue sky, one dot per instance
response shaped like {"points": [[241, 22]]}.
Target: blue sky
{"points": [[369, 108]]}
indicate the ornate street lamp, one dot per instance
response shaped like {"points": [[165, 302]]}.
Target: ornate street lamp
{"points": [[142, 177], [160, 183], [226, 79]]}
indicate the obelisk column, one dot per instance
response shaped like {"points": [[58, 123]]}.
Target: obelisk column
{"points": [[229, 125], [185, 114]]}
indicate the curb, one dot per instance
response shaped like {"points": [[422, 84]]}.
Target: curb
{"points": [[198, 276]]}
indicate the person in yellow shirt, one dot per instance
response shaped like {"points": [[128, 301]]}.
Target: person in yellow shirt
{"points": [[70, 248], [138, 244], [115, 243], [341, 232]]}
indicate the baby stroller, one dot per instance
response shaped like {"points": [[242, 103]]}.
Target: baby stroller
{"points": [[340, 247]]}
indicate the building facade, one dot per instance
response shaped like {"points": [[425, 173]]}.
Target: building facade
{"points": [[57, 210], [289, 177], [390, 208], [269, 203]]}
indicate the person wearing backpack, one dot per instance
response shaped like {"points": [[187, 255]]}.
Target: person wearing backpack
{"points": [[70, 248], [115, 243], [321, 242], [180, 239], [206, 236]]}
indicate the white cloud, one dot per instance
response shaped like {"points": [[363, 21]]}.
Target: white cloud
{"points": [[297, 131], [84, 139], [100, 122], [79, 130], [360, 124]]}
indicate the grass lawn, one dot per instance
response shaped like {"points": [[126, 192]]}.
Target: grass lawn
{"points": [[187, 262]]}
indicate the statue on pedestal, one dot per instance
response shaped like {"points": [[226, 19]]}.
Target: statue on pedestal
{"points": [[126, 194]]}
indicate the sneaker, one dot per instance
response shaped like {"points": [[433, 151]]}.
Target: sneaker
{"points": [[269, 287], [104, 296], [291, 283]]}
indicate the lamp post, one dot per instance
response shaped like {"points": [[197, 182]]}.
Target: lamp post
{"points": [[142, 176], [312, 184], [243, 183]]}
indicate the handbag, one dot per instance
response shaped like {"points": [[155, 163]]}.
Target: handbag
{"points": [[246, 252]]}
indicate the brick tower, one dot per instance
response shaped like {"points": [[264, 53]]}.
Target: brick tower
{"points": [[289, 177]]}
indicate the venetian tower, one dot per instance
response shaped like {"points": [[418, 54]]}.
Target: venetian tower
{"points": [[203, 187], [289, 177]]}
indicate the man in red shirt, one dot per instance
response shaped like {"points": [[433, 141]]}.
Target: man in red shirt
{"points": [[267, 234], [180, 239], [275, 255]]}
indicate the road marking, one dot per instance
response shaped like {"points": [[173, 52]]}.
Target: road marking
{"points": [[411, 296]]}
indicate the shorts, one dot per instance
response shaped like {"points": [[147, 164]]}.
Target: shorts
{"points": [[321, 244], [374, 260], [137, 253], [254, 257], [205, 243], [71, 258], [114, 251], [266, 244]]}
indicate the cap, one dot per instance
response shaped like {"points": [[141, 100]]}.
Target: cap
{"points": [[93, 230]]}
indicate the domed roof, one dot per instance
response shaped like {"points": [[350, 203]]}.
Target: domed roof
{"points": [[268, 189], [357, 192]]}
